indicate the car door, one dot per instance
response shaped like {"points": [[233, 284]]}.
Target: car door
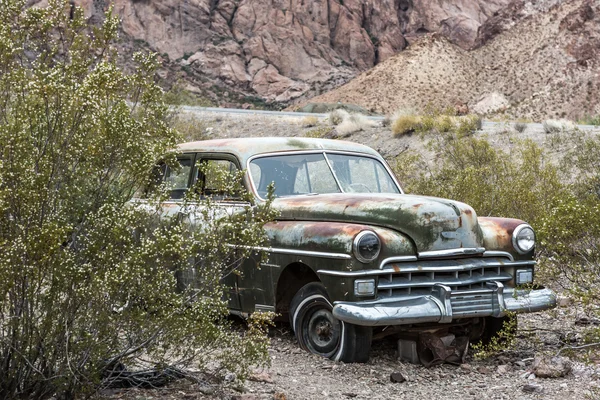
{"points": [[190, 175]]}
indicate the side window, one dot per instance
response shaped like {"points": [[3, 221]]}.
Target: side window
{"points": [[177, 179], [214, 177]]}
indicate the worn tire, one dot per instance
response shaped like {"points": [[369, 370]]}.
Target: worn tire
{"points": [[319, 332]]}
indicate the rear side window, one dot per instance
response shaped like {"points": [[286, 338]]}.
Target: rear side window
{"points": [[213, 178], [177, 178]]}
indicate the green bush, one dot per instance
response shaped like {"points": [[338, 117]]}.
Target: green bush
{"points": [[570, 238], [87, 278], [521, 184]]}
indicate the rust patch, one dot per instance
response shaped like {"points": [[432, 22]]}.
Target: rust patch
{"points": [[498, 232]]}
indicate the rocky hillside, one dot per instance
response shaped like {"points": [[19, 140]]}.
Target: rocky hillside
{"points": [[532, 59], [281, 50]]}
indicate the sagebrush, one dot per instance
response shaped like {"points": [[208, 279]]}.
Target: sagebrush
{"points": [[87, 279]]}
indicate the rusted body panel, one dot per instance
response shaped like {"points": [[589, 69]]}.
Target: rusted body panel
{"points": [[497, 235], [431, 223]]}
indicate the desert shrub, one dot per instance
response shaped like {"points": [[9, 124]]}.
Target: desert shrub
{"points": [[354, 123], [87, 278], [583, 165], [337, 116], [406, 124], [521, 184], [444, 123], [310, 121], [191, 128], [558, 125], [590, 120], [468, 124], [520, 127], [320, 132], [570, 238], [178, 96]]}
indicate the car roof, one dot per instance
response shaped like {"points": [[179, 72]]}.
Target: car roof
{"points": [[245, 148]]}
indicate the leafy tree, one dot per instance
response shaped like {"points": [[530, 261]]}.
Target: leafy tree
{"points": [[86, 277]]}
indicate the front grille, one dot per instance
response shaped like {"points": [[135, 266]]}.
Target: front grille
{"points": [[460, 275], [472, 304]]}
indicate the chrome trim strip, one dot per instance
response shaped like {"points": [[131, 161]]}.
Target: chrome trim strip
{"points": [[264, 308], [494, 253], [454, 268], [447, 282], [396, 259], [420, 268], [452, 252], [336, 256], [352, 274]]}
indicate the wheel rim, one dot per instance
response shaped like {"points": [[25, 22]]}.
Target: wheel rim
{"points": [[321, 332]]}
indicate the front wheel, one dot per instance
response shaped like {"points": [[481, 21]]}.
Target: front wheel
{"points": [[319, 332]]}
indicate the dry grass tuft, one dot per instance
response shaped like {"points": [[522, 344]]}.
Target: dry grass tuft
{"points": [[558, 125], [520, 127], [310, 121], [319, 132], [336, 117], [406, 124], [354, 123]]}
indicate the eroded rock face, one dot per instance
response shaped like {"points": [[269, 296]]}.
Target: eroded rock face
{"points": [[282, 49]]}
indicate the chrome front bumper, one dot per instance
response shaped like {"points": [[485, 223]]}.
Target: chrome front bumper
{"points": [[443, 305]]}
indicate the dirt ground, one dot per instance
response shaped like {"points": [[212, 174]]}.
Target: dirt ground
{"points": [[295, 374]]}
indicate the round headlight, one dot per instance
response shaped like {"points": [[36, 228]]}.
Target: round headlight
{"points": [[366, 246], [523, 239]]}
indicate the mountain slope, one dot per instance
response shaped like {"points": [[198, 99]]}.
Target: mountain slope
{"points": [[538, 65], [280, 50]]}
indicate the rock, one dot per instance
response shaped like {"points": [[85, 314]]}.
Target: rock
{"points": [[229, 377], [563, 301], [502, 369], [521, 364], [261, 377], [490, 103], [533, 388], [397, 377], [207, 390], [551, 367], [483, 370], [279, 396]]}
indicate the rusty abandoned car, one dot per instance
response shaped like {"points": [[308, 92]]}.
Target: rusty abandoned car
{"points": [[350, 253]]}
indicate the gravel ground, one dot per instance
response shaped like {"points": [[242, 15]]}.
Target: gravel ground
{"points": [[295, 374]]}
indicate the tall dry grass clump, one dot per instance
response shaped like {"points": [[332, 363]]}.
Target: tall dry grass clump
{"points": [[336, 117], [406, 124], [354, 123]]}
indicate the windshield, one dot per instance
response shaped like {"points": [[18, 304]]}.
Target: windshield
{"points": [[320, 173]]}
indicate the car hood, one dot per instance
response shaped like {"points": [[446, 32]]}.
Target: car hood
{"points": [[432, 223]]}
